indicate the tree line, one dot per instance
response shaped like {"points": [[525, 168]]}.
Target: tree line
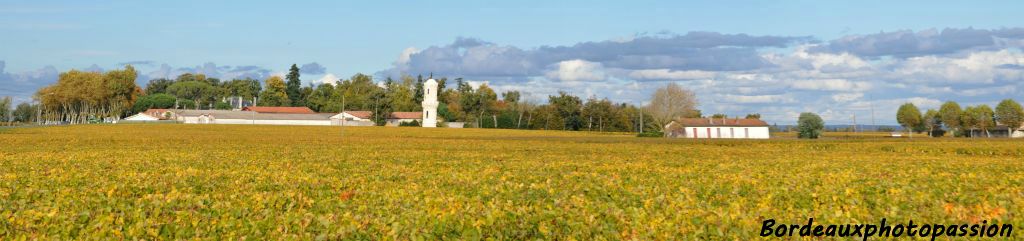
{"points": [[80, 96], [961, 122], [24, 112]]}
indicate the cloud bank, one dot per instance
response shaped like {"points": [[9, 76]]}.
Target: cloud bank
{"points": [[735, 74]]}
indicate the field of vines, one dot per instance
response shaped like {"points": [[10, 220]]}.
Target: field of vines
{"points": [[167, 181]]}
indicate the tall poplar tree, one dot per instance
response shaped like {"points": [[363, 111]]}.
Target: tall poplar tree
{"points": [[294, 87]]}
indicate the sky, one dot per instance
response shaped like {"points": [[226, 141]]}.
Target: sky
{"points": [[846, 61]]}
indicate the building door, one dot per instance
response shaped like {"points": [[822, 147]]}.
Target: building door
{"points": [[719, 132], [695, 133], [709, 132], [746, 132], [732, 132]]}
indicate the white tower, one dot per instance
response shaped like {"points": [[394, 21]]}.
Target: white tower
{"points": [[430, 103]]}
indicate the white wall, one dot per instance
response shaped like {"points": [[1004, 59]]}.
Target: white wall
{"points": [[195, 120], [758, 132]]}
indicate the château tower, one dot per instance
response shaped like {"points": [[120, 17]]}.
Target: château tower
{"points": [[430, 103]]}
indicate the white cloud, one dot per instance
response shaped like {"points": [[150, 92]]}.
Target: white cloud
{"points": [[751, 99], [997, 90], [577, 70], [847, 97], [404, 57], [476, 84], [666, 74], [328, 79], [975, 68], [831, 85]]}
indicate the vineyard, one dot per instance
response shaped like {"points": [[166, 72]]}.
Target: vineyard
{"points": [[374, 183]]}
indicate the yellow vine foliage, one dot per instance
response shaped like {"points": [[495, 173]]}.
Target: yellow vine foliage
{"points": [[287, 182]]}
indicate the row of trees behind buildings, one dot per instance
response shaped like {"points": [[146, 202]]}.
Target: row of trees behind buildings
{"points": [[80, 96], [962, 122]]}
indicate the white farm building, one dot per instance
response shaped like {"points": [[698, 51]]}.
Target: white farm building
{"points": [[253, 118], [703, 128]]}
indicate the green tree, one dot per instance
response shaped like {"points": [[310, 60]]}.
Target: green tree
{"points": [[402, 96], [719, 116], [321, 99], [294, 85], [245, 88], [274, 94], [198, 92], [160, 101], [950, 113], [25, 113], [755, 116], [567, 107], [6, 114], [186, 104], [909, 117], [191, 77], [511, 96], [486, 99], [599, 114], [810, 126], [969, 120], [157, 86], [1010, 113], [984, 119], [418, 88], [932, 122], [360, 93], [222, 106]]}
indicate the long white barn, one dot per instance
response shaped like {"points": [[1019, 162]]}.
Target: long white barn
{"points": [[700, 128], [252, 117]]}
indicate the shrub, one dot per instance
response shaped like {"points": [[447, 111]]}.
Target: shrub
{"points": [[409, 123], [222, 106]]}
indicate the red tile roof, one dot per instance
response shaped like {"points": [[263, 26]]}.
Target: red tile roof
{"points": [[279, 109], [362, 114], [720, 122], [406, 115]]}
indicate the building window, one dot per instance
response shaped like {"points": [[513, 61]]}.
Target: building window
{"points": [[732, 132], [746, 133], [428, 114], [709, 132], [719, 130], [694, 132]]}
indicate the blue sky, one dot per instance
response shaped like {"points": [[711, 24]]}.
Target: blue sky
{"points": [[779, 59]]}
